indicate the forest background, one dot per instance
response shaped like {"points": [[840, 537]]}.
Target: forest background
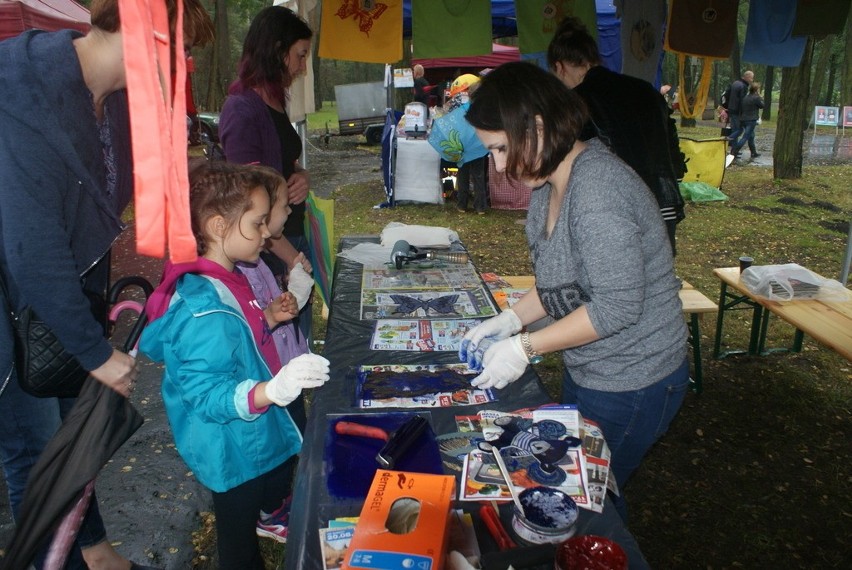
{"points": [[824, 76]]}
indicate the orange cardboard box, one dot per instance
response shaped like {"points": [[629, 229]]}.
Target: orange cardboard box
{"points": [[404, 522]]}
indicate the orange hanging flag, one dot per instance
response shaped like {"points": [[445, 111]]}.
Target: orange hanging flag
{"points": [[361, 30], [157, 129]]}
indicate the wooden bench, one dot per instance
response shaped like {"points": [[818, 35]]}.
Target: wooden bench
{"points": [[828, 322], [695, 304]]}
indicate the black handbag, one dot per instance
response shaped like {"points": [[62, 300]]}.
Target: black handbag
{"points": [[45, 369]]}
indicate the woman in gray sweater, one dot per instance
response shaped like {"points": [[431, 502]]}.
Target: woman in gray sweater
{"points": [[603, 269]]}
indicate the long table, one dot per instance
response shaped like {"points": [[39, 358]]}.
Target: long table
{"points": [[827, 322], [347, 346]]}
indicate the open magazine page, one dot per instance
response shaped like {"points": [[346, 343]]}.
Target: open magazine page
{"points": [[334, 541], [420, 335], [451, 276], [482, 480], [488, 417], [538, 449], [597, 459], [417, 386], [566, 414], [443, 304]]}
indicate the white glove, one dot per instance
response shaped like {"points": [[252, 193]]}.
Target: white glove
{"points": [[505, 361], [502, 326], [300, 284], [305, 371]]}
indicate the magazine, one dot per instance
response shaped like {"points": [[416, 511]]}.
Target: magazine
{"points": [[551, 446], [494, 281], [482, 480], [433, 304], [418, 386], [420, 334], [597, 458], [333, 542], [456, 276]]}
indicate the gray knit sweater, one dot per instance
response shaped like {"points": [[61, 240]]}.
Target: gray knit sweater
{"points": [[609, 251]]}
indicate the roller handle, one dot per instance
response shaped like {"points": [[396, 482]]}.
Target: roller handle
{"points": [[360, 430]]}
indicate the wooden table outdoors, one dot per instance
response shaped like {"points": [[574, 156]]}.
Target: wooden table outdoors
{"points": [[828, 322]]}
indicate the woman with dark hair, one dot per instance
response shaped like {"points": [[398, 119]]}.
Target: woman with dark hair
{"points": [[603, 270], [627, 113], [255, 129]]}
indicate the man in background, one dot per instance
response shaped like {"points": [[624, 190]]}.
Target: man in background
{"points": [[739, 89]]}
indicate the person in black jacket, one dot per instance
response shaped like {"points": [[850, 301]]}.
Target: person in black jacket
{"points": [[739, 90], [749, 113], [627, 113]]}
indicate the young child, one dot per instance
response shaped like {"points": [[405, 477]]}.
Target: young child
{"points": [[226, 407], [267, 287]]}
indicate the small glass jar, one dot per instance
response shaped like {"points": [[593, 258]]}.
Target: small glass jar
{"points": [[549, 517]]}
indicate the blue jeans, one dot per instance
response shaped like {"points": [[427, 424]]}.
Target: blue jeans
{"points": [[736, 128], [631, 421], [26, 425], [306, 315], [746, 137]]}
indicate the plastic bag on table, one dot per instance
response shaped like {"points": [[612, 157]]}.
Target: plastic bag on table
{"points": [[791, 281]]}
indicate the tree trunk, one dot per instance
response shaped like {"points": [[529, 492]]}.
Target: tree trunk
{"points": [[819, 72], [768, 84], [792, 114], [828, 100], [314, 19], [221, 72], [736, 71], [846, 66]]}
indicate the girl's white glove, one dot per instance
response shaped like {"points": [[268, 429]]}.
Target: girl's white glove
{"points": [[504, 362], [305, 371], [300, 284], [502, 326]]}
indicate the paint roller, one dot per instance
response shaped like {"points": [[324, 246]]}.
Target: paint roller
{"points": [[403, 252], [396, 445]]}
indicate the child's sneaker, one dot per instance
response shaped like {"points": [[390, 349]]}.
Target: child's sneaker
{"points": [[274, 525]]}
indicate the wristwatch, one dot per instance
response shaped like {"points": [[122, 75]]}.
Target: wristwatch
{"points": [[532, 355]]}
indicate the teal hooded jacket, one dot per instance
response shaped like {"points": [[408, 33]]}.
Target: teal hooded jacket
{"points": [[211, 365]]}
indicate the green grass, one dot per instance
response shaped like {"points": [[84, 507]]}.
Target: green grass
{"points": [[328, 114]]}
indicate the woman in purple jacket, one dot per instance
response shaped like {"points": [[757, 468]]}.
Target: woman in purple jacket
{"points": [[254, 126]]}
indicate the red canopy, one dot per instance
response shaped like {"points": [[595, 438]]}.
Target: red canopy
{"points": [[499, 54], [17, 16]]}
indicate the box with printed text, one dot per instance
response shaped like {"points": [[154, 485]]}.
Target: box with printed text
{"points": [[404, 522]]}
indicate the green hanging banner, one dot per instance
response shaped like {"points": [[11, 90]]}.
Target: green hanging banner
{"points": [[450, 28], [538, 19]]}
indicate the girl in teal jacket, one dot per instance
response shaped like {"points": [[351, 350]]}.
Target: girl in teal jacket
{"points": [[225, 406]]}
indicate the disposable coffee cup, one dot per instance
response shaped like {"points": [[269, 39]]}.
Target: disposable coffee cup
{"points": [[745, 262]]}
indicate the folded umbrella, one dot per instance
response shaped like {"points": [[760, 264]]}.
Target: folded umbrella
{"points": [[98, 424]]}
